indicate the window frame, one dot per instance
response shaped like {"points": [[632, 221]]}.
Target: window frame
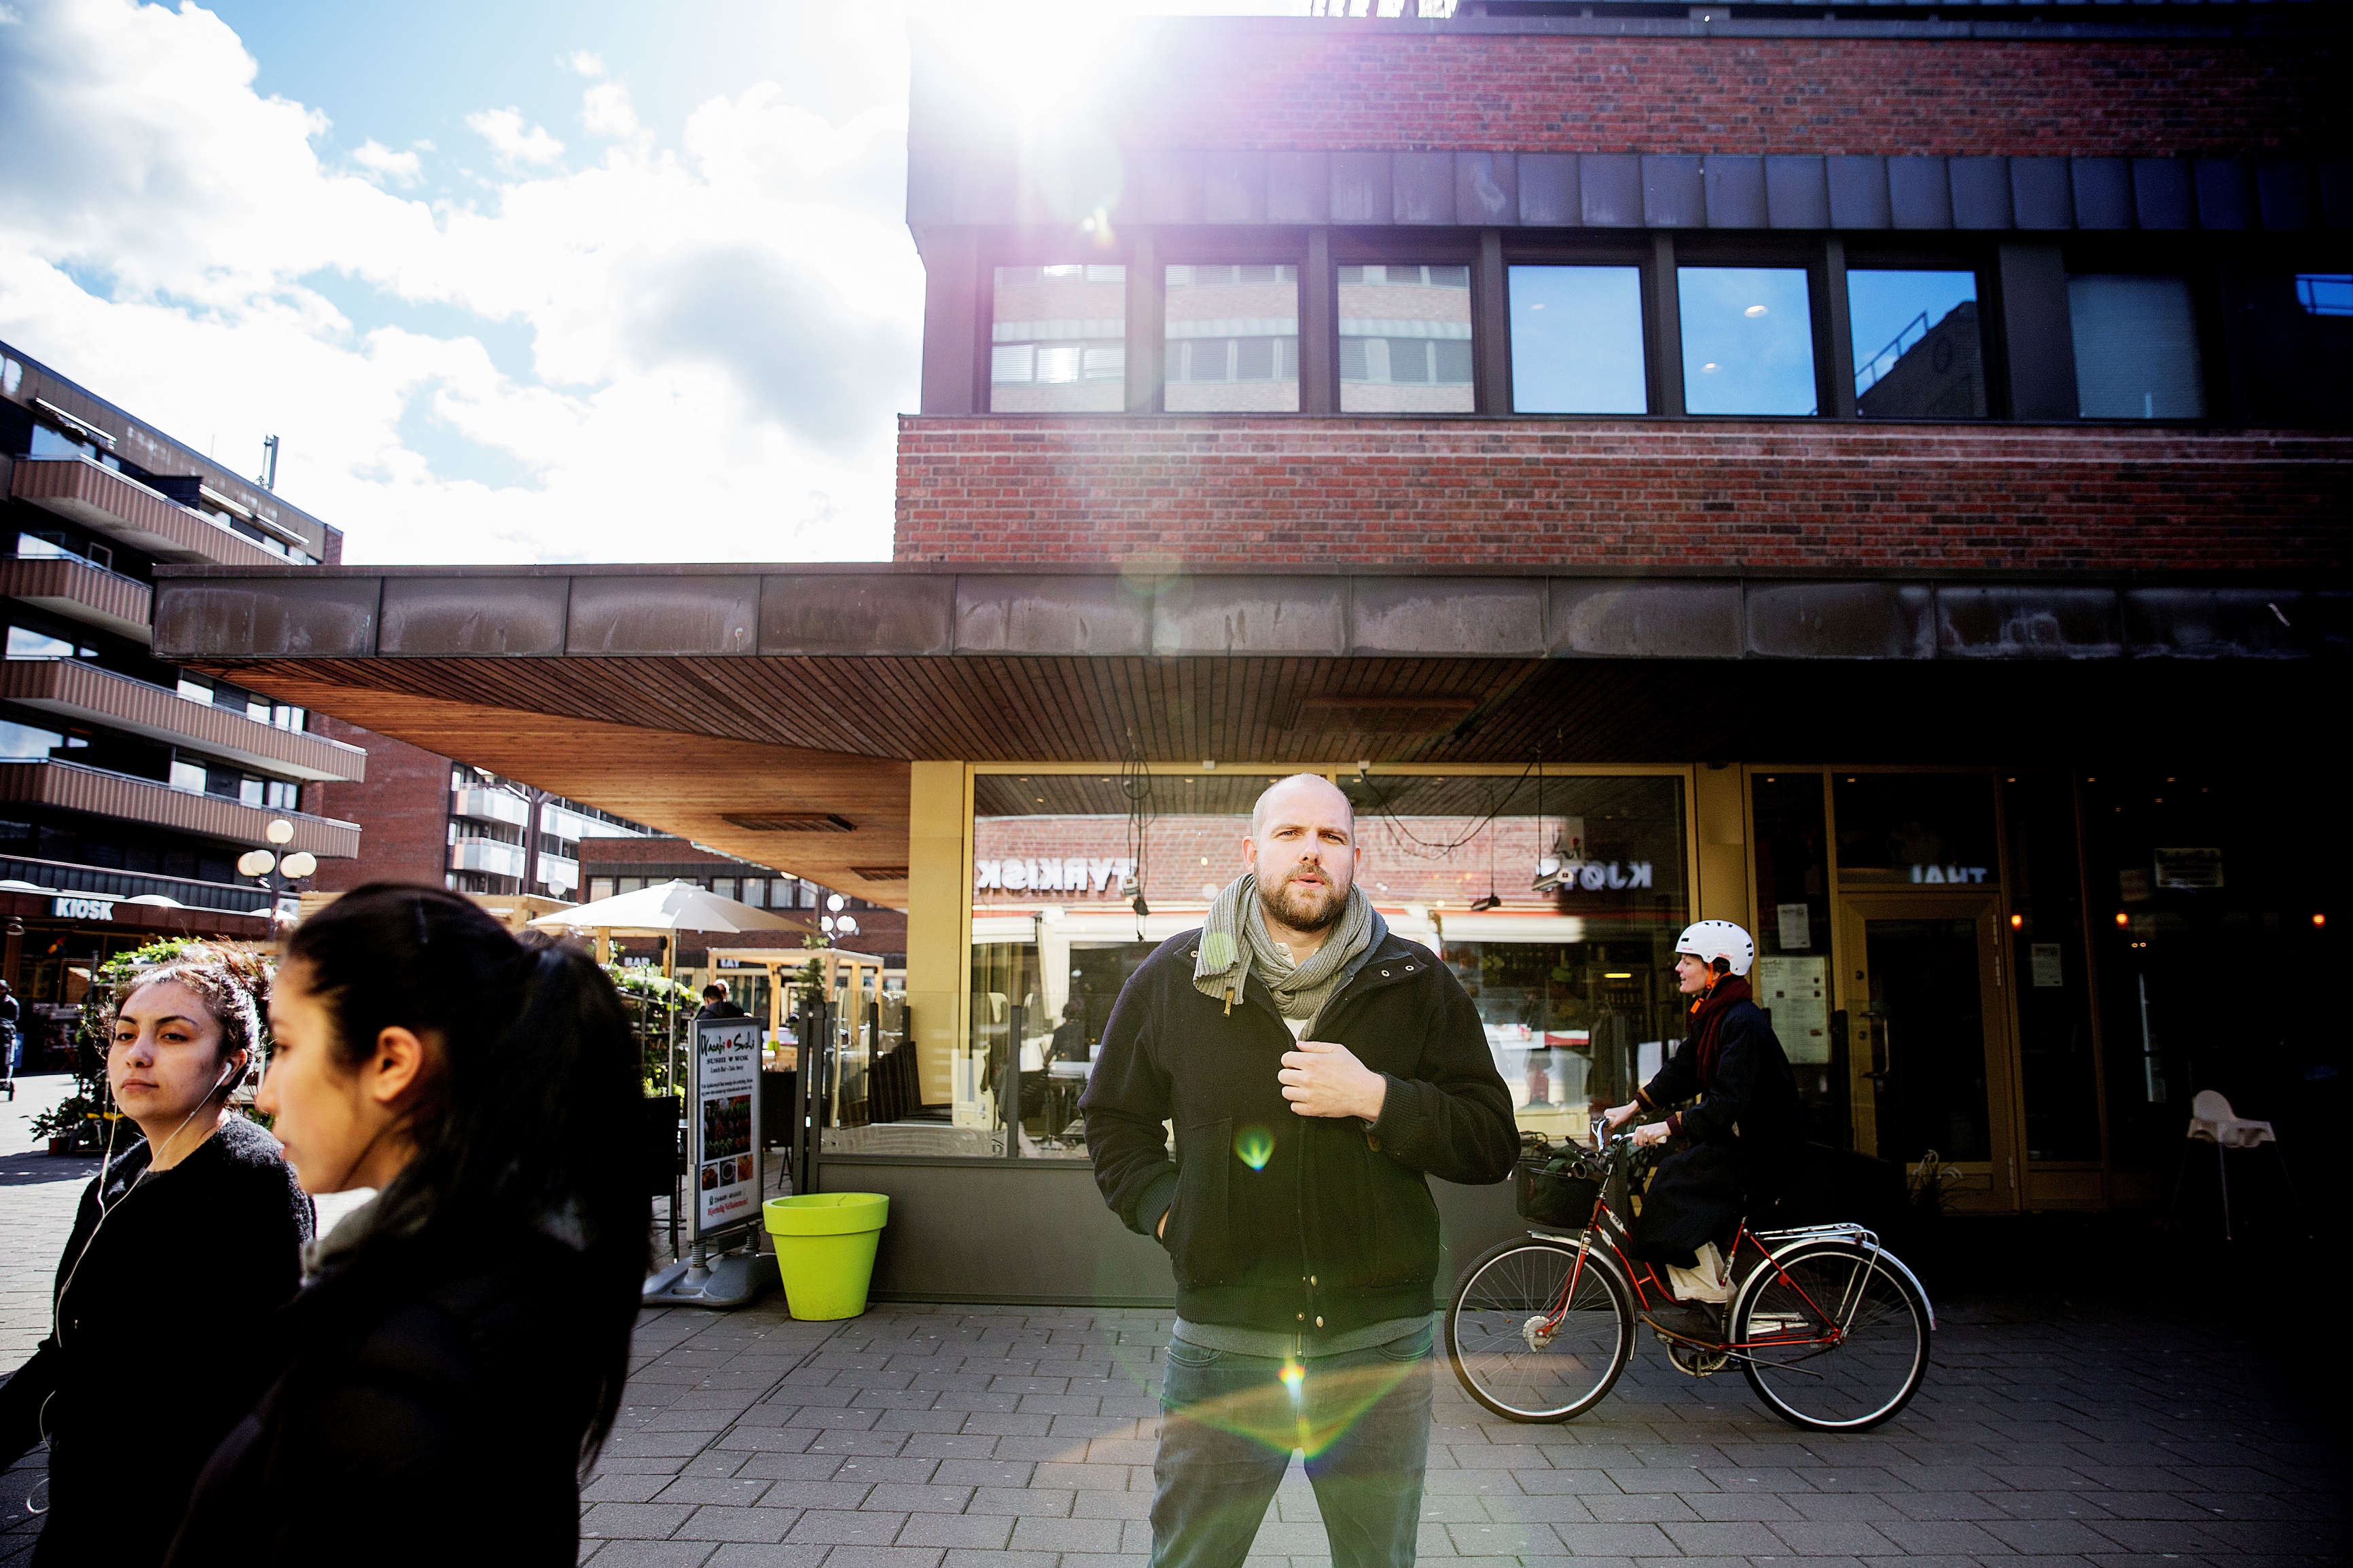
{"points": [[2192, 259], [1016, 248], [1881, 253], [1227, 246], [1605, 249], [1812, 258]]}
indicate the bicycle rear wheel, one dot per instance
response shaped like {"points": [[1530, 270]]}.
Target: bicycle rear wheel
{"points": [[1831, 1339], [1525, 1347]]}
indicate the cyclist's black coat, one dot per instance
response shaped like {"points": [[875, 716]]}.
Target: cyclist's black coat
{"points": [[1325, 1226], [1745, 1132]]}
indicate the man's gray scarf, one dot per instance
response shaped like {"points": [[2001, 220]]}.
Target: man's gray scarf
{"points": [[1234, 941]]}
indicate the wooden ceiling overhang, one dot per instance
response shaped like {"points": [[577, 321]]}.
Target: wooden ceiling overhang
{"points": [[741, 706]]}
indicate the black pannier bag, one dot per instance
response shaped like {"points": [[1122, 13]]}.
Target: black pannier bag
{"points": [[1557, 1188]]}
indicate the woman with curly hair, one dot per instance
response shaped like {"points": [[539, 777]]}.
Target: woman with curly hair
{"points": [[185, 1241], [457, 1352]]}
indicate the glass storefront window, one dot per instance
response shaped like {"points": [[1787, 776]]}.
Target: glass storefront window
{"points": [[1059, 861], [1058, 340], [2047, 954], [1918, 354], [1792, 978], [2135, 348], [1405, 339], [1749, 339], [1577, 341], [1232, 341], [1557, 906], [1915, 829]]}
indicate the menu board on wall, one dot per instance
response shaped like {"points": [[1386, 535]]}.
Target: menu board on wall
{"points": [[725, 1124], [1795, 991]]}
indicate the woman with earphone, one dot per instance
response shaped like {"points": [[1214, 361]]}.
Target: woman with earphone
{"points": [[457, 1352], [184, 1242]]}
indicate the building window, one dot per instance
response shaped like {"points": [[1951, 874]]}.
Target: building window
{"points": [[599, 888], [1749, 339], [2296, 331], [755, 892], [1577, 341], [1058, 340], [281, 796], [723, 886], [23, 642], [1405, 339], [2325, 293], [631, 884], [809, 894], [1232, 339], [188, 777], [1918, 354], [23, 743], [2135, 348]]}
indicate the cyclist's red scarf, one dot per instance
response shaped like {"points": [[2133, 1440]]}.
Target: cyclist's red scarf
{"points": [[1707, 1023]]}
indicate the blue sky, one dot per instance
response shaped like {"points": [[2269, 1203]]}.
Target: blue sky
{"points": [[513, 280]]}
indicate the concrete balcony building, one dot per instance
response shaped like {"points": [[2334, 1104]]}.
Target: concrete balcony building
{"points": [[128, 785]]}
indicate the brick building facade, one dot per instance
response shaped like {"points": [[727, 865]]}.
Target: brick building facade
{"points": [[1880, 469]]}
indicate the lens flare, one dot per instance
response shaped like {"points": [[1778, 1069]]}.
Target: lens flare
{"points": [[1293, 1374], [1255, 1146]]}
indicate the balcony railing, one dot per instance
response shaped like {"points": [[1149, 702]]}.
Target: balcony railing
{"points": [[73, 690], [81, 591], [71, 786], [101, 499]]}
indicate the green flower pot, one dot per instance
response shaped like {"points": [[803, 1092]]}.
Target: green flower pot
{"points": [[824, 1250]]}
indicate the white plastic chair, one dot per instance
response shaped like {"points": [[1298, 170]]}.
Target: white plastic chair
{"points": [[2212, 1120]]}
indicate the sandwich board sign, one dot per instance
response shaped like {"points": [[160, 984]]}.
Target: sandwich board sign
{"points": [[723, 1125]]}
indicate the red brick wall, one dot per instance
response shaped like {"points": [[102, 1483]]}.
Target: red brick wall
{"points": [[402, 808], [1350, 88], [1615, 494]]}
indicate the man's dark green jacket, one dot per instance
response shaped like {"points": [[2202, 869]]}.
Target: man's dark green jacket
{"points": [[1293, 1223]]}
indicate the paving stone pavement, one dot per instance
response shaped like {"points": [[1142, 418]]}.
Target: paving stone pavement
{"points": [[959, 1436]]}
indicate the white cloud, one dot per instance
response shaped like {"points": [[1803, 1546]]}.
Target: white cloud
{"points": [[607, 110], [687, 352], [502, 129], [582, 62], [388, 166]]}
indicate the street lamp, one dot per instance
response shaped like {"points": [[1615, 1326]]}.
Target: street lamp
{"points": [[271, 870]]}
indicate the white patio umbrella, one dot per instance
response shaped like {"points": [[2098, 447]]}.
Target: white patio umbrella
{"points": [[666, 907]]}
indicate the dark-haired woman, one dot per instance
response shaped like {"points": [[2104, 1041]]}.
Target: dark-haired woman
{"points": [[457, 1352], [184, 1243]]}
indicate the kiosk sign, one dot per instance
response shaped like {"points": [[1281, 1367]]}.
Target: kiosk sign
{"points": [[725, 1125]]}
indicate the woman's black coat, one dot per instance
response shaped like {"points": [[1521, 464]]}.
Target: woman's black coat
{"points": [[427, 1388], [1743, 1134], [154, 1352]]}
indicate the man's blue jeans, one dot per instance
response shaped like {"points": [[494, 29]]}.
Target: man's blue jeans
{"points": [[1362, 1419]]}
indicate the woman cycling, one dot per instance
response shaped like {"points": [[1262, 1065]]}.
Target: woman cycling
{"points": [[1741, 1135], [183, 1243], [458, 1351]]}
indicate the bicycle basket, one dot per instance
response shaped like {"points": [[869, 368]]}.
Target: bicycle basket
{"points": [[1556, 1190]]}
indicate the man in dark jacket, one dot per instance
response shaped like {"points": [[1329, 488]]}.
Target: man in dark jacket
{"points": [[718, 1004], [1317, 1070]]}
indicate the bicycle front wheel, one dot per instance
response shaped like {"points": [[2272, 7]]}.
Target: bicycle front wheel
{"points": [[1831, 1339], [1528, 1347]]}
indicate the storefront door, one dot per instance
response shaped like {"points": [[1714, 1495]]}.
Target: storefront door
{"points": [[1928, 1039]]}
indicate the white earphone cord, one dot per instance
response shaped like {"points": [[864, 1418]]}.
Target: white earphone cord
{"points": [[106, 1163]]}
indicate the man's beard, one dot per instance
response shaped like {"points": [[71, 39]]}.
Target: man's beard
{"points": [[1301, 907]]}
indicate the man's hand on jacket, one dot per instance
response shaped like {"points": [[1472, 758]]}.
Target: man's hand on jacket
{"points": [[1324, 1080]]}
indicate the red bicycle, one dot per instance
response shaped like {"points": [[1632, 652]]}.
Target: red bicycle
{"points": [[1830, 1328]]}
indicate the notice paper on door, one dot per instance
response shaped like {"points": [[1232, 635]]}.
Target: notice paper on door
{"points": [[1795, 992], [1796, 926], [2042, 959]]}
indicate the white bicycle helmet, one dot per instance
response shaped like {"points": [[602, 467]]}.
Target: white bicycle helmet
{"points": [[1712, 939]]}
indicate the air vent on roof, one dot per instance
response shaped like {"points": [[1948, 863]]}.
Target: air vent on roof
{"points": [[789, 822], [880, 873]]}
